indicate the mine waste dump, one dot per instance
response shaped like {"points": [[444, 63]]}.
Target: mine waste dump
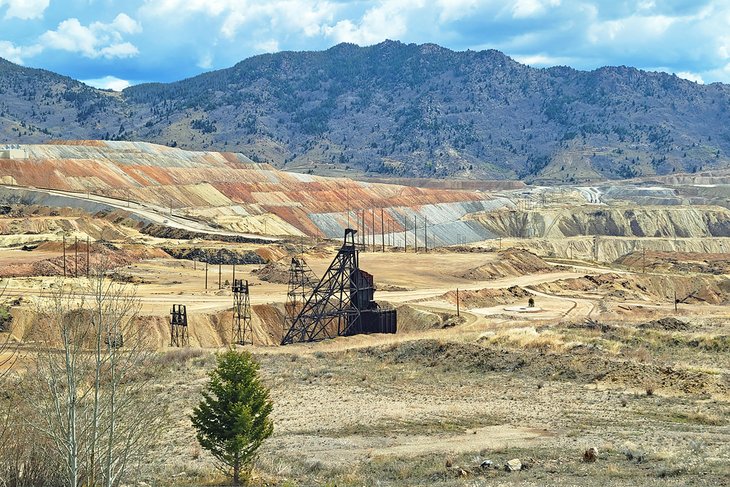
{"points": [[341, 303]]}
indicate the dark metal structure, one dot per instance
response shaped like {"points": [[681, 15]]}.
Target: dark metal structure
{"points": [[342, 302], [242, 328], [179, 326], [301, 283]]}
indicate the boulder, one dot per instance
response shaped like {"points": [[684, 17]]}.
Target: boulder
{"points": [[514, 465]]}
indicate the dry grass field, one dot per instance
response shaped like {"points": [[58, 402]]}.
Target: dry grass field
{"points": [[448, 400]]}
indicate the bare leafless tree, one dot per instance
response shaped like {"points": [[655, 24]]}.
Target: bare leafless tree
{"points": [[87, 383]]}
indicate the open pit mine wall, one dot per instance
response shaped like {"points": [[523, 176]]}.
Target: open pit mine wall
{"points": [[657, 221], [441, 223], [609, 249], [232, 192]]}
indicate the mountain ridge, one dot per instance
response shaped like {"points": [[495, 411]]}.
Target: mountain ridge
{"points": [[401, 110]]}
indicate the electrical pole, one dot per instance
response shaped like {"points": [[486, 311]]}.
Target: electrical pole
{"points": [[220, 266], [458, 313], [425, 234], [382, 229], [64, 255], [372, 217], [415, 234], [76, 257], [206, 275], [88, 257], [405, 234]]}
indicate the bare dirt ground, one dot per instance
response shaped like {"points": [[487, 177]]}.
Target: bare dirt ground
{"points": [[429, 405]]}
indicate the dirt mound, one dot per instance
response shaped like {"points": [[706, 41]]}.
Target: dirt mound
{"points": [[668, 323], [706, 263], [216, 256], [485, 298], [688, 290], [413, 319], [104, 256], [510, 262], [273, 272], [587, 366]]}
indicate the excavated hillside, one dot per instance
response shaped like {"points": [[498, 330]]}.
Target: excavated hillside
{"points": [[231, 192], [654, 221], [648, 288], [705, 263], [510, 262]]}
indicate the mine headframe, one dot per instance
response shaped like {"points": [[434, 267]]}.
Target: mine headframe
{"points": [[341, 303], [301, 284], [242, 327], [179, 326]]}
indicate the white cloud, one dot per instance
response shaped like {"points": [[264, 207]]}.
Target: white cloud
{"points": [[291, 16], [24, 9], [691, 77], [96, 40], [272, 45], [543, 60], [108, 83], [205, 61], [456, 9], [532, 8], [17, 54], [388, 20]]}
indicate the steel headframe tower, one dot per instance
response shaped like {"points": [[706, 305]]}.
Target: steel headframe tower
{"points": [[328, 311], [242, 328], [301, 283], [179, 326]]}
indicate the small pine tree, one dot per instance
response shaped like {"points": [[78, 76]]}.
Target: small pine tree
{"points": [[232, 419]]}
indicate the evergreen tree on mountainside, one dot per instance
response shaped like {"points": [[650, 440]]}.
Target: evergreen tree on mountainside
{"points": [[398, 110], [232, 420]]}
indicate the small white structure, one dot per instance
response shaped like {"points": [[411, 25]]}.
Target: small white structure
{"points": [[13, 151]]}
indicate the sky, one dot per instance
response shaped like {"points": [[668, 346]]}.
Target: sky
{"points": [[116, 43]]}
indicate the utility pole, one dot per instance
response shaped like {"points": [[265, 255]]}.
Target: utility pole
{"points": [[643, 259], [458, 313], [206, 275], [219, 274], [76, 257], [372, 217], [415, 234], [233, 279], [88, 257], [425, 234], [64, 255], [405, 234], [382, 229]]}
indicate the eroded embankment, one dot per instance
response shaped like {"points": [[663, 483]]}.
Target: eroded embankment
{"points": [[208, 330], [608, 249], [581, 365], [645, 287], [78, 262], [508, 263], [657, 221]]}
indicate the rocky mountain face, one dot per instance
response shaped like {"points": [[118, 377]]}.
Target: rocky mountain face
{"points": [[397, 110]]}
